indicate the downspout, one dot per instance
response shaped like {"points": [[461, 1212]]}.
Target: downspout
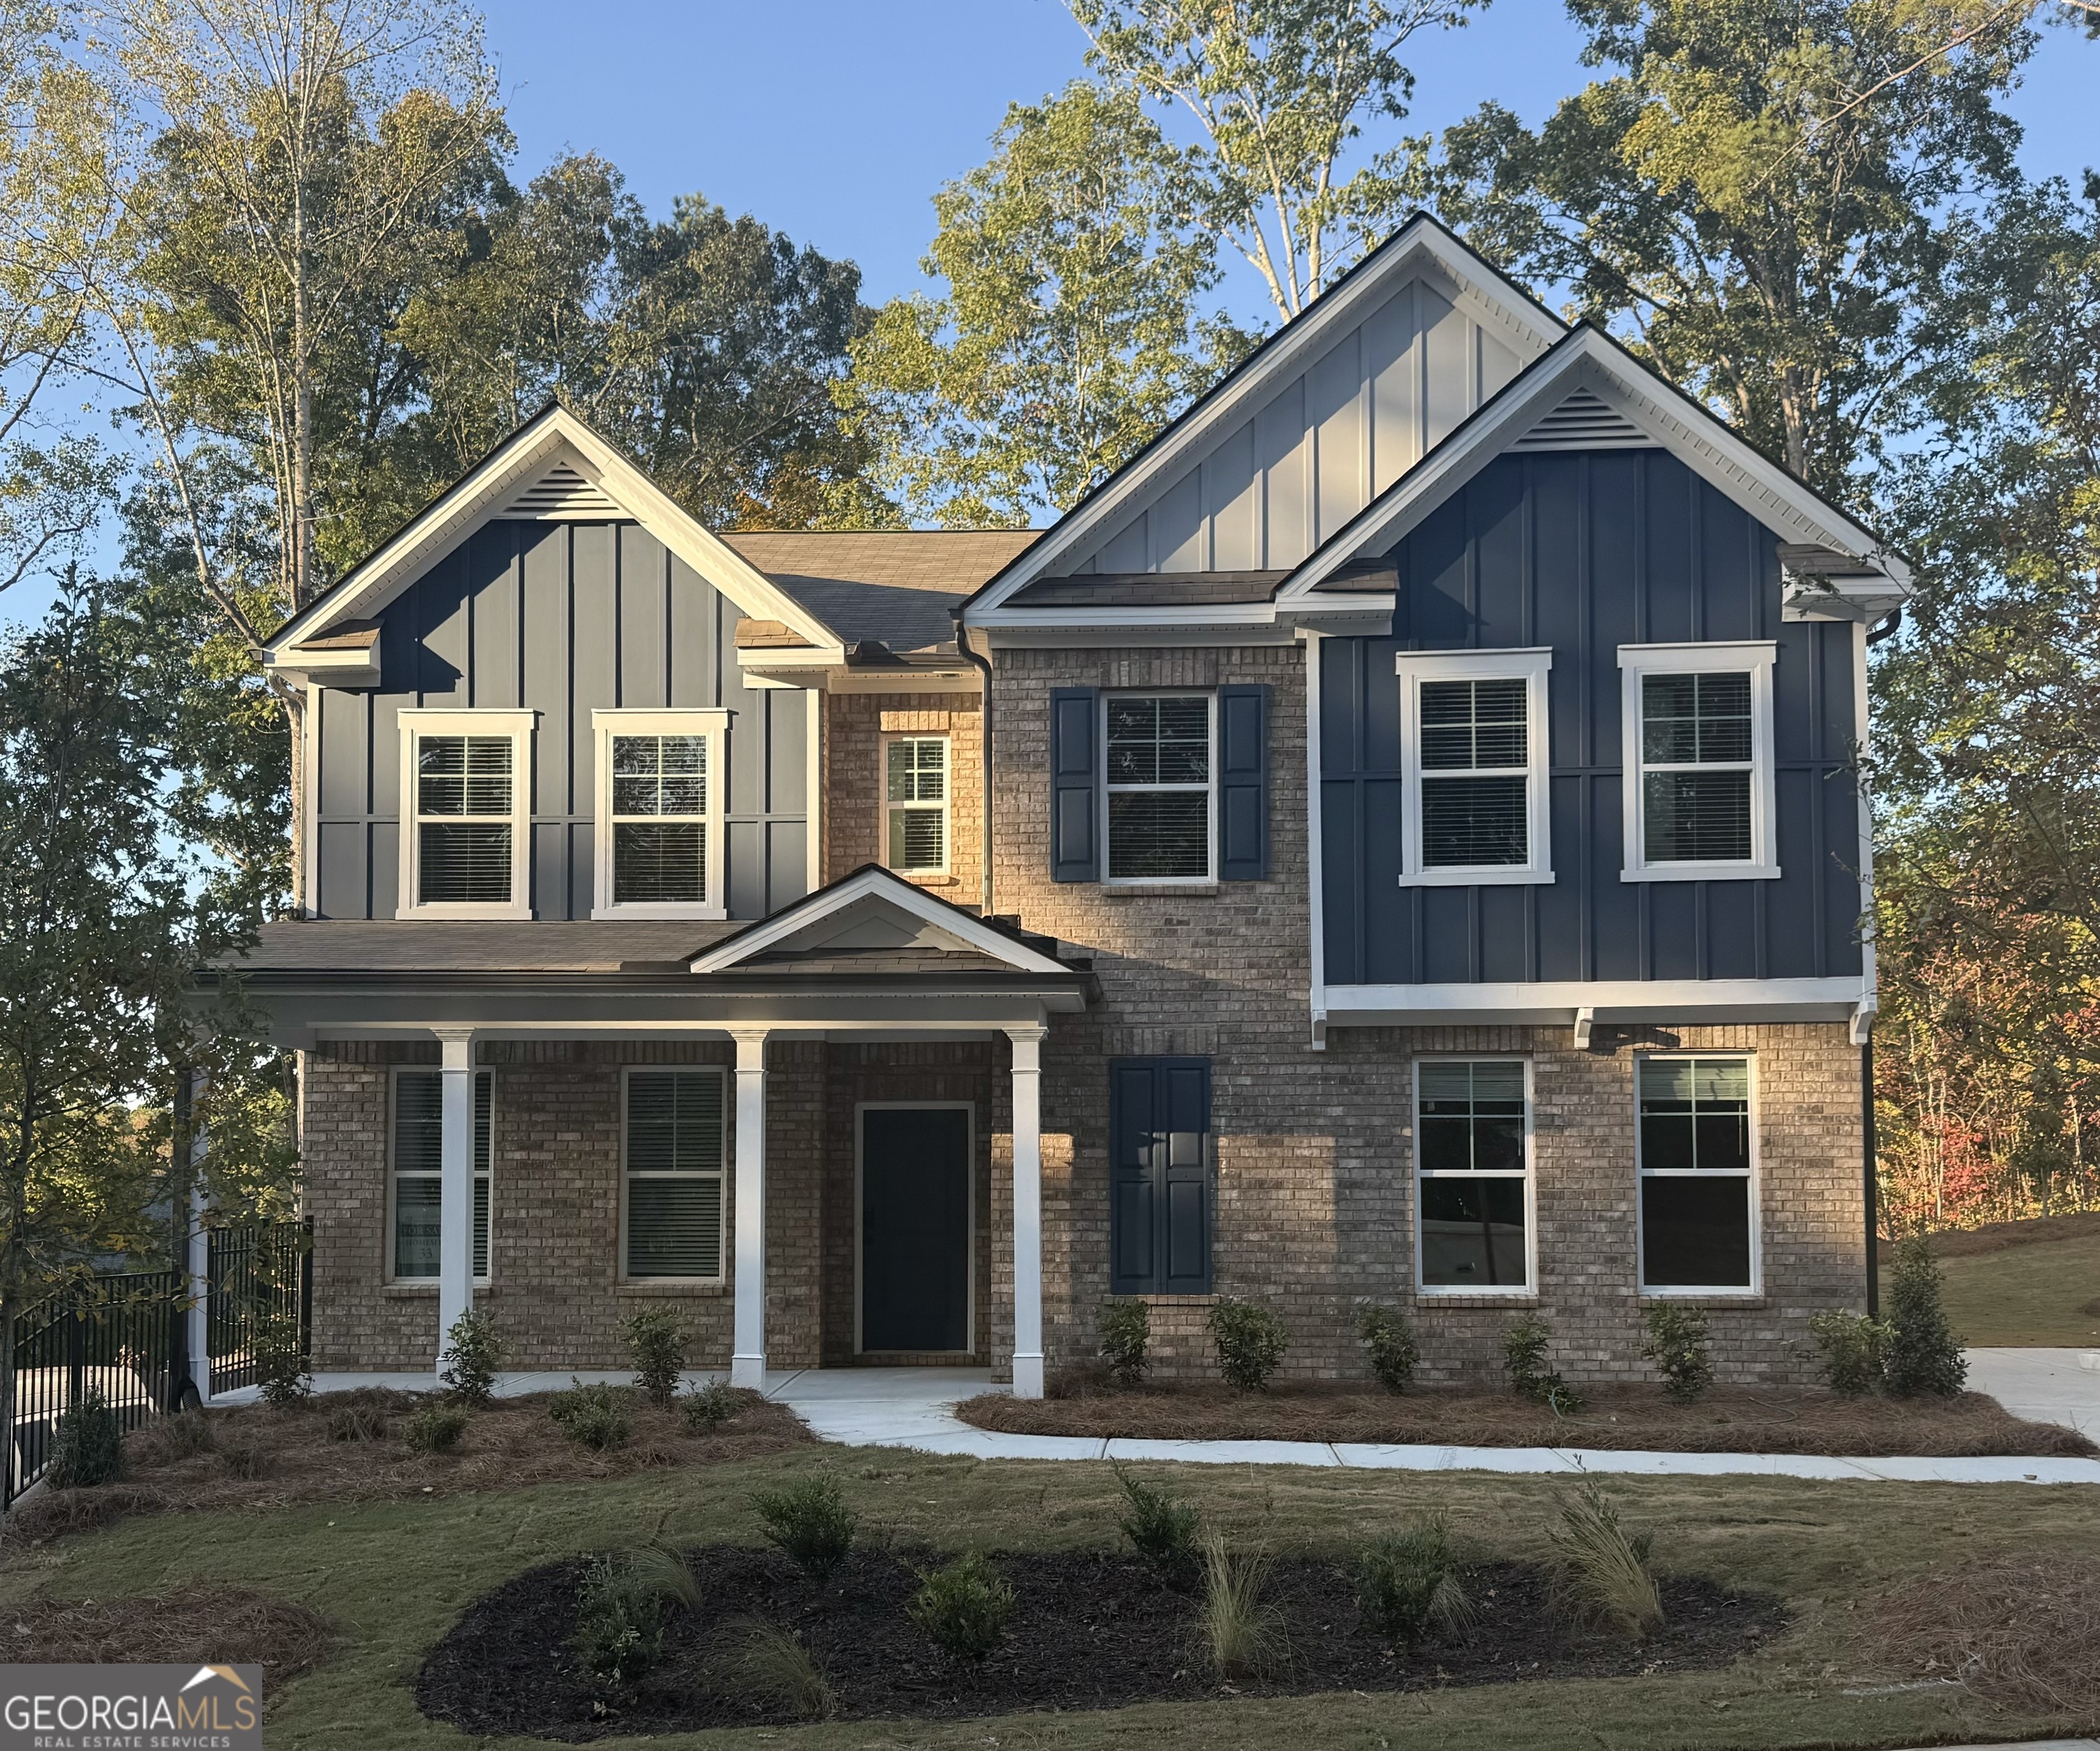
{"points": [[1867, 1177], [983, 666]]}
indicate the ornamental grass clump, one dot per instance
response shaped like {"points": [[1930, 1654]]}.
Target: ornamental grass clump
{"points": [[1525, 1340], [771, 1666], [1242, 1635], [1250, 1341], [1677, 1343], [594, 1416], [358, 1423], [809, 1521], [964, 1607], [656, 1346], [1853, 1349], [473, 1352], [1924, 1357], [1600, 1571], [434, 1427], [1390, 1345], [710, 1407], [1161, 1529], [88, 1450], [1408, 1582], [1125, 1337], [620, 1608]]}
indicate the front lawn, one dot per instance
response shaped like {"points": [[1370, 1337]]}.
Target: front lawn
{"points": [[1875, 1581], [2020, 1284]]}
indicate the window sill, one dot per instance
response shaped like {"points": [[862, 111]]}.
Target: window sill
{"points": [[601, 912], [1159, 890], [417, 1291], [406, 913], [1475, 1298], [671, 1286], [1703, 1298], [1485, 878], [924, 878], [1704, 872], [1175, 1301]]}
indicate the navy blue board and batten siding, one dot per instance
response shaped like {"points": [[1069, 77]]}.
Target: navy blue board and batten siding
{"points": [[1584, 551], [562, 619]]}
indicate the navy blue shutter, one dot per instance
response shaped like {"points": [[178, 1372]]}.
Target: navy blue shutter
{"points": [[1159, 1176], [1075, 778], [1242, 784]]}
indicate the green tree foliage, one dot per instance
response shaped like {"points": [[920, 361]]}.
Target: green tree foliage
{"points": [[1070, 331]]}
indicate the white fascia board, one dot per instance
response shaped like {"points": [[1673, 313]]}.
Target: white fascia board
{"points": [[1485, 295], [1153, 631], [878, 885], [1156, 614], [1556, 1003]]}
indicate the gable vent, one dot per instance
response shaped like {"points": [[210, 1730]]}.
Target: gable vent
{"points": [[561, 495], [1583, 422]]}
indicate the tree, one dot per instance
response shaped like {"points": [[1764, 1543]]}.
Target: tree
{"points": [[1070, 332], [1277, 91]]}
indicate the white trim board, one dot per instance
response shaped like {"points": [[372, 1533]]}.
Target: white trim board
{"points": [[1556, 1003]]}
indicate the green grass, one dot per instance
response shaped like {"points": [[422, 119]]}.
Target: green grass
{"points": [[394, 1575], [2022, 1295]]}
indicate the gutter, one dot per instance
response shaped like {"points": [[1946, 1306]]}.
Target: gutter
{"points": [[983, 666]]}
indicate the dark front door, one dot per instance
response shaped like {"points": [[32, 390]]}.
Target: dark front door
{"points": [[914, 1228]]}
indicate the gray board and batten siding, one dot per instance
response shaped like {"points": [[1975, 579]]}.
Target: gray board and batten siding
{"points": [[1584, 551], [561, 618]]}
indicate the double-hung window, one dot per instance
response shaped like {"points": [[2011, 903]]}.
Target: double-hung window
{"points": [[659, 798], [1698, 750], [1698, 1175], [915, 803], [417, 1175], [466, 789], [1160, 787], [1473, 767], [1473, 1195], [672, 1228]]}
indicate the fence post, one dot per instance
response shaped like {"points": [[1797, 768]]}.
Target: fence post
{"points": [[75, 1353], [305, 1242]]}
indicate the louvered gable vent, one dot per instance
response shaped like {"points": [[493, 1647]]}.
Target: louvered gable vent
{"points": [[1585, 421], [561, 495]]}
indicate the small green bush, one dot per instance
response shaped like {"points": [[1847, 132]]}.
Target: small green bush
{"points": [[473, 1352], [282, 1370], [1390, 1343], [1408, 1581], [963, 1606], [1251, 1340], [1125, 1337], [358, 1423], [1525, 1340], [1160, 1528], [592, 1416], [88, 1450], [1924, 1357], [656, 1344], [710, 1406], [1677, 1343], [619, 1623], [434, 1427], [1853, 1349], [809, 1521]]}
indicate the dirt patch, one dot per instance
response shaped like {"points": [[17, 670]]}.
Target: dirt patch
{"points": [[1995, 1236], [265, 1457], [1728, 1419], [2023, 1634], [1089, 1630], [196, 1626]]}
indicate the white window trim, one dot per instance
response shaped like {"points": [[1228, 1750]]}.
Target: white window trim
{"points": [[1680, 1291], [1210, 788], [713, 723], [1530, 665], [946, 867], [1756, 658], [421, 720], [719, 1174], [394, 1173], [1528, 1290]]}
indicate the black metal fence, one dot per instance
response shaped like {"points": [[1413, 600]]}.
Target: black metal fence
{"points": [[261, 1301]]}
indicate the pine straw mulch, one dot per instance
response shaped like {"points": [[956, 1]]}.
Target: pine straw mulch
{"points": [[263, 1457], [1726, 1419], [234, 1627], [2021, 1632]]}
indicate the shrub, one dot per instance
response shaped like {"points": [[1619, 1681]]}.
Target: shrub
{"points": [[1408, 1582], [1160, 1529], [619, 1609], [1600, 1572], [282, 1369], [247, 1460], [963, 1606], [1524, 1340], [808, 1519], [771, 1665], [1924, 1356], [1853, 1349], [1250, 1341], [358, 1423], [1389, 1341], [710, 1406], [1677, 1343], [1125, 1336], [592, 1416], [88, 1450], [656, 1344], [473, 1352], [1242, 1637], [434, 1427]]}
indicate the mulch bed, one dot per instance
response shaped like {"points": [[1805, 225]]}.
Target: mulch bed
{"points": [[2022, 1632], [1089, 1630], [263, 1457], [1727, 1419], [232, 1625]]}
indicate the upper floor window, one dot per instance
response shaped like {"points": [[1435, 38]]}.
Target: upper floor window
{"points": [[466, 789], [1699, 785], [1473, 771], [916, 804], [1159, 785], [1698, 1183], [660, 835]]}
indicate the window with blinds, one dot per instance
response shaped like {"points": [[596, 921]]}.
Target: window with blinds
{"points": [[1697, 1175], [659, 820], [674, 1174], [417, 1175], [465, 806], [1475, 766], [1472, 1175], [1697, 767], [1158, 782], [915, 803]]}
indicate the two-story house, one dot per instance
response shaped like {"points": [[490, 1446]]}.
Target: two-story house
{"points": [[1399, 839]]}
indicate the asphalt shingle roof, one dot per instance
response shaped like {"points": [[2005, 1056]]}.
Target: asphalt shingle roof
{"points": [[893, 585]]}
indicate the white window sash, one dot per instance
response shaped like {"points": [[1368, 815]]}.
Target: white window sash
{"points": [[395, 1173], [947, 796], [718, 1175], [1754, 658], [1754, 1194], [1528, 1288], [415, 723], [1532, 666], [1208, 789], [709, 722]]}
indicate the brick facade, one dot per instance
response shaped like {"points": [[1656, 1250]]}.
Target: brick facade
{"points": [[856, 726]]}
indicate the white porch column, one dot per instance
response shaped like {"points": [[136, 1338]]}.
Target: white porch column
{"points": [[455, 1182], [1027, 1210], [747, 1366]]}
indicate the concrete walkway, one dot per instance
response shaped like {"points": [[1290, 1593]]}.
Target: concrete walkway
{"points": [[2045, 1386]]}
